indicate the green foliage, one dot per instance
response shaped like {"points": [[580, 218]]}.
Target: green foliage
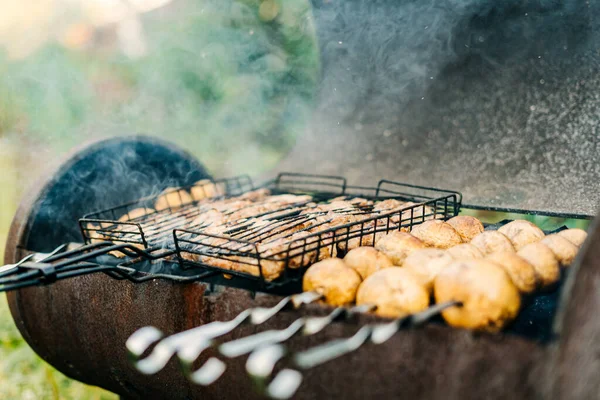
{"points": [[230, 87], [216, 78]]}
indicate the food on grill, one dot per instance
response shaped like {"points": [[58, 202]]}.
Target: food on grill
{"points": [[436, 233], [355, 201], [520, 271], [333, 279], [466, 226], [564, 250], [392, 205], [367, 260], [465, 251], [426, 264], [249, 265], [574, 235], [135, 213], [521, 233], [172, 198], [363, 235], [489, 298], [204, 189], [398, 245], [543, 261], [395, 291], [489, 242], [255, 195], [288, 199], [388, 205]]}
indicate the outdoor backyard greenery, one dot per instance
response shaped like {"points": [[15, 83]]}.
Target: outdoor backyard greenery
{"points": [[231, 81]]}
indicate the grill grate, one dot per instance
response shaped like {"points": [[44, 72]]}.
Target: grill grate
{"points": [[123, 224], [240, 254], [268, 247]]}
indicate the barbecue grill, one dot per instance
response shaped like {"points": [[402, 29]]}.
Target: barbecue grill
{"points": [[486, 126]]}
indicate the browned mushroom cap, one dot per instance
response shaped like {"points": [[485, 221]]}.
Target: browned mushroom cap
{"points": [[576, 236], [173, 198], [520, 271], [398, 245], [491, 242], [204, 189], [521, 233], [489, 298], [367, 260], [436, 233], [563, 249], [465, 251], [333, 279], [466, 226], [544, 262], [395, 291], [427, 263]]}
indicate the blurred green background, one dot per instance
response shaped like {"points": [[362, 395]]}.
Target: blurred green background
{"points": [[231, 81]]}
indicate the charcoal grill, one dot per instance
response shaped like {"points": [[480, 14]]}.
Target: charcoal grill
{"points": [[511, 130]]}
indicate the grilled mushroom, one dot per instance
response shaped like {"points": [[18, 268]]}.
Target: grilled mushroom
{"points": [[466, 226], [427, 263], [520, 271], [491, 242], [398, 245], [437, 233], [563, 249], [544, 262], [367, 260], [172, 198], [135, 213], [521, 233], [575, 236], [489, 298], [395, 291], [465, 251], [204, 189], [333, 279]]}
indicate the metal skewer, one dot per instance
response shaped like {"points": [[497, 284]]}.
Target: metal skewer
{"points": [[261, 362], [213, 368], [190, 343], [37, 257]]}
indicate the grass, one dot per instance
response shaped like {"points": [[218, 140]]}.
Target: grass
{"points": [[23, 375]]}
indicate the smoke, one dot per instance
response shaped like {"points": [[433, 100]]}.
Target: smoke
{"points": [[226, 85], [379, 55]]}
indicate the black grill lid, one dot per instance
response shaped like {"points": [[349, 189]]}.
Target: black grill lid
{"points": [[500, 100]]}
